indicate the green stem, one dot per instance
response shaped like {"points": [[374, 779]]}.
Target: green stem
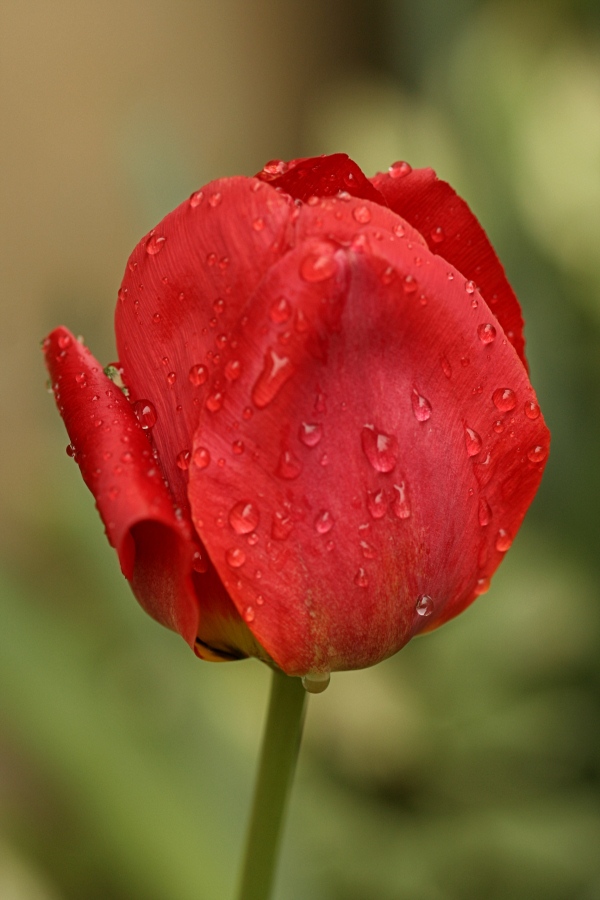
{"points": [[281, 744]]}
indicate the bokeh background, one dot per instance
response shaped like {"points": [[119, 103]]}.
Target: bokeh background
{"points": [[468, 766]]}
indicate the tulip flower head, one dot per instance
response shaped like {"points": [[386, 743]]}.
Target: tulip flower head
{"points": [[328, 437]]}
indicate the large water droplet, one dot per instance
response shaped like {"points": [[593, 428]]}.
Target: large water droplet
{"points": [[481, 586], [201, 457], [472, 442], [324, 522], [146, 413], [235, 557], [380, 449], [504, 399], [486, 333], [485, 512], [154, 244], [537, 454], [276, 371], [400, 504], [400, 169], [289, 466], [421, 406], [316, 682], [198, 375], [244, 517], [503, 541], [532, 410], [310, 434], [377, 504], [424, 605], [317, 266]]}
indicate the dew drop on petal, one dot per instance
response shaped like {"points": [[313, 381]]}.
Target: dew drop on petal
{"points": [[281, 526], [504, 399], [503, 541], [145, 412], [196, 199], [532, 410], [276, 371], [485, 512], [233, 370], [421, 406], [198, 375], [214, 402], [410, 284], [249, 614], [362, 214], [537, 454], [201, 457], [481, 586], [244, 517], [486, 333], [280, 311], [324, 522], [235, 557], [470, 287], [498, 426], [424, 605], [258, 224], [360, 579], [446, 367], [380, 449], [316, 682], [376, 504], [289, 466], [215, 199], [154, 244], [310, 434], [238, 447], [183, 459], [437, 234], [171, 378], [473, 442], [318, 267], [400, 504], [199, 562], [399, 169]]}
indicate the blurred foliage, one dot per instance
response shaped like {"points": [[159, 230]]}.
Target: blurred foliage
{"points": [[468, 765]]}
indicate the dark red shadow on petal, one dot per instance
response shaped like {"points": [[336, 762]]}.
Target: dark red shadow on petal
{"points": [[452, 231], [321, 176]]}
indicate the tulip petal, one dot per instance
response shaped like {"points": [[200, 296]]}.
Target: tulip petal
{"points": [[155, 548], [320, 176], [185, 286], [452, 231], [364, 476]]}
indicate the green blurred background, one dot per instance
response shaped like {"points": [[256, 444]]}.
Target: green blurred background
{"points": [[468, 766]]}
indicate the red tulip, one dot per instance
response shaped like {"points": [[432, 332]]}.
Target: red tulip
{"points": [[330, 438]]}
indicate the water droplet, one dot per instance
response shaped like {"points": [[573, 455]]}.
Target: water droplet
{"points": [[276, 371], [532, 410], [377, 503], [360, 579], [289, 466], [324, 522], [258, 224], [317, 266], [316, 682], [238, 447], [424, 605], [446, 367], [310, 434], [362, 214], [399, 231], [399, 169], [503, 541], [196, 199], [481, 586], [154, 244], [244, 517], [485, 512], [504, 399], [437, 234], [70, 450], [410, 284], [280, 311], [80, 378], [113, 493], [470, 287], [214, 402], [400, 504], [537, 454], [198, 375], [249, 614], [183, 459], [126, 457], [156, 318], [281, 526], [388, 275], [215, 199], [473, 442], [64, 341], [233, 370], [235, 557], [146, 414], [275, 167], [421, 406], [201, 457], [380, 449], [486, 333], [171, 378], [498, 426], [368, 551]]}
